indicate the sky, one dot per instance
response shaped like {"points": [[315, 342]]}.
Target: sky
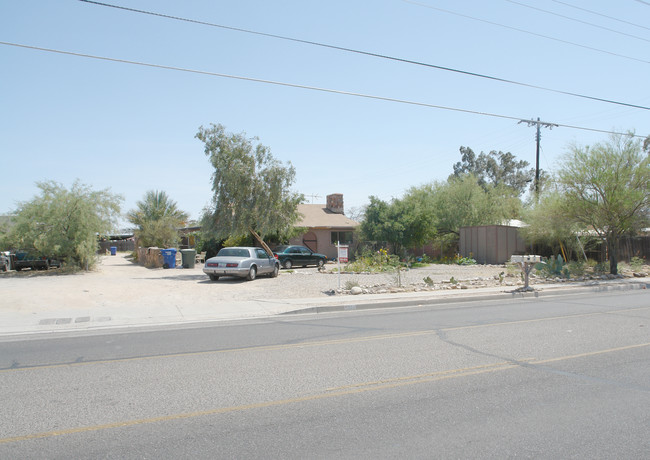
{"points": [[131, 128]]}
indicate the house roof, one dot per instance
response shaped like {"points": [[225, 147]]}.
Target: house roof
{"points": [[318, 216]]}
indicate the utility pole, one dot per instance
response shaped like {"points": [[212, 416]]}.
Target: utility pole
{"points": [[538, 138]]}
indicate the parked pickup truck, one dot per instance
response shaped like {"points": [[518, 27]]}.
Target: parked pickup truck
{"points": [[27, 259]]}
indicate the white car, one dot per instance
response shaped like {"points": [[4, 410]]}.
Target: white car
{"points": [[245, 262]]}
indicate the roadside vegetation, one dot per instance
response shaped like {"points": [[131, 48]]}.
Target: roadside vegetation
{"points": [[598, 196], [63, 224]]}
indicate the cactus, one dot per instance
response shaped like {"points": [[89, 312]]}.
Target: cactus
{"points": [[553, 267]]}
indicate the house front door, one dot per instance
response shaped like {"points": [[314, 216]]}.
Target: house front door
{"points": [[310, 241]]}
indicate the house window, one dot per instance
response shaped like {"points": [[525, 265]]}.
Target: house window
{"points": [[341, 237]]}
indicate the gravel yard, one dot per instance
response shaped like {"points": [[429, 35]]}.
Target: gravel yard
{"points": [[119, 281]]}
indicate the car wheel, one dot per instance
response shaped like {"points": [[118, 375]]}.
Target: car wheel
{"points": [[214, 277], [321, 262], [252, 273], [287, 264], [276, 270]]}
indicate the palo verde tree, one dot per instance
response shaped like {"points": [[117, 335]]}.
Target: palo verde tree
{"points": [[251, 189], [607, 187], [65, 223], [157, 219]]}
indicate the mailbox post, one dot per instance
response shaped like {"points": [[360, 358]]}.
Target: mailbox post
{"points": [[341, 257], [526, 263]]}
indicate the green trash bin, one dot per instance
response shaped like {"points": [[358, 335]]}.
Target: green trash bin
{"points": [[188, 258]]}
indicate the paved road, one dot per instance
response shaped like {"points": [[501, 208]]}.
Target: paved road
{"points": [[552, 377]]}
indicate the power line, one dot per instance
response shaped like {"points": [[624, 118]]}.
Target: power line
{"points": [[367, 53], [524, 31], [294, 85], [577, 20], [600, 14]]}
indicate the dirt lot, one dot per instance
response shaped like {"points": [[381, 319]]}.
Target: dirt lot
{"points": [[117, 280]]}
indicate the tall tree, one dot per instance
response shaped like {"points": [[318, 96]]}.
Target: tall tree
{"points": [[495, 169], [251, 188], [607, 187], [462, 202], [64, 223], [402, 223], [157, 219]]}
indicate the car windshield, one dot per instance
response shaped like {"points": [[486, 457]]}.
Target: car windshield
{"points": [[233, 252]]}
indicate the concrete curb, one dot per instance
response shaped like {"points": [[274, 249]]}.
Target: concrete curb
{"points": [[550, 290]]}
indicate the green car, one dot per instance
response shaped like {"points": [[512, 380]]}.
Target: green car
{"points": [[28, 259], [300, 256]]}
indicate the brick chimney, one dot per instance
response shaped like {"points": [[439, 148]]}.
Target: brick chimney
{"points": [[335, 203]]}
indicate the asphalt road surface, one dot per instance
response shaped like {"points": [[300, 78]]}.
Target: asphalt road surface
{"points": [[553, 377]]}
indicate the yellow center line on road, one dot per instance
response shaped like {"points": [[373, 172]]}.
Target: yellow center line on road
{"points": [[332, 393], [325, 394], [591, 353], [318, 343]]}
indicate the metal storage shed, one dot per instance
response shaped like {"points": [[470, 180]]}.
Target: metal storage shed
{"points": [[491, 244]]}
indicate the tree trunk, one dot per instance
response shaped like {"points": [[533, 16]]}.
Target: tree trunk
{"points": [[612, 247], [261, 241]]}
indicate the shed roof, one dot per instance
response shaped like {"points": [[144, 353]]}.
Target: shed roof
{"points": [[318, 216]]}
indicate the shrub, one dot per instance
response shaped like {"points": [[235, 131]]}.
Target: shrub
{"points": [[576, 268], [370, 261], [636, 263], [349, 284]]}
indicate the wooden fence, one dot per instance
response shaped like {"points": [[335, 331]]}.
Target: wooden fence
{"points": [[121, 245]]}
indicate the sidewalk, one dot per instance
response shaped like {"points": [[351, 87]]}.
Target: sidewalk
{"points": [[125, 295]]}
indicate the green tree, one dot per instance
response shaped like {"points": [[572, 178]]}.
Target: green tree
{"points": [[65, 223], [462, 202], [495, 169], [548, 225], [401, 223], [607, 188], [156, 205], [157, 219], [437, 210], [251, 189]]}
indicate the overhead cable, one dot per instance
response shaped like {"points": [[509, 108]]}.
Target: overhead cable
{"points": [[367, 53], [600, 14], [566, 42], [294, 85], [577, 20]]}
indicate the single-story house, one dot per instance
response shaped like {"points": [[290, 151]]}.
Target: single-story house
{"points": [[327, 224]]}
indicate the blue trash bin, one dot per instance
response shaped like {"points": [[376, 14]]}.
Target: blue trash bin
{"points": [[169, 258], [113, 250]]}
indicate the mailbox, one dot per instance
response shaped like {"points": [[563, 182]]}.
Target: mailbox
{"points": [[526, 259]]}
